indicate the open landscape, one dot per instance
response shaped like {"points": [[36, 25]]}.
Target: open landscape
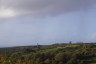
{"points": [[47, 31], [80, 53]]}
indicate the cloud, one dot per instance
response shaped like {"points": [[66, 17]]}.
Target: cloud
{"points": [[29, 31], [42, 7], [6, 13]]}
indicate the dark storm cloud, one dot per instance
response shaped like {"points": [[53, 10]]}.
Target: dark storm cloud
{"points": [[46, 7]]}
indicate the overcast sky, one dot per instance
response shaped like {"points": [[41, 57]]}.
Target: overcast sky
{"points": [[28, 22]]}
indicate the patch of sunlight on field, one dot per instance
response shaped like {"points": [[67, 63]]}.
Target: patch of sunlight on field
{"points": [[72, 45], [50, 50]]}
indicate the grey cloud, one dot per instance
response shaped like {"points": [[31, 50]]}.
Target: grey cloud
{"points": [[49, 7]]}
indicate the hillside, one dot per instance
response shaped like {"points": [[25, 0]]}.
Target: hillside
{"points": [[82, 53]]}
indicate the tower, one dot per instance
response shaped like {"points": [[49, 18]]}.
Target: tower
{"points": [[38, 46]]}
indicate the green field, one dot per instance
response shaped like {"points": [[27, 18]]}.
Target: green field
{"points": [[92, 63]]}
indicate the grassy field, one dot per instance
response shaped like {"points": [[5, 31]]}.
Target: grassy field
{"points": [[72, 45], [50, 50], [92, 63]]}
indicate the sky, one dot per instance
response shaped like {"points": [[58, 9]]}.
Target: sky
{"points": [[28, 22]]}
